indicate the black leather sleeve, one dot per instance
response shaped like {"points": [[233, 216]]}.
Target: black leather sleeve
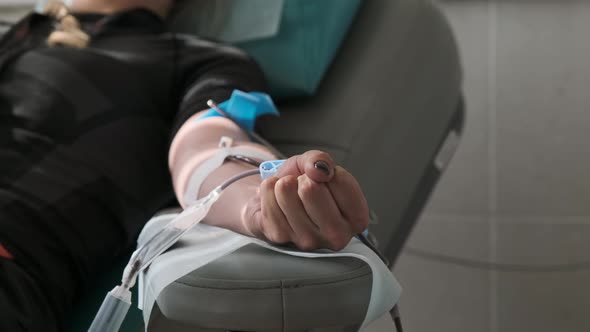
{"points": [[212, 71]]}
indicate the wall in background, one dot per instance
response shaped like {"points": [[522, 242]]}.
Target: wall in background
{"points": [[12, 10], [504, 245]]}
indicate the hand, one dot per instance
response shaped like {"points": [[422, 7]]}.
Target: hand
{"points": [[310, 202]]}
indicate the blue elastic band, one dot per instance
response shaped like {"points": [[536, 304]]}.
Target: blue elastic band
{"points": [[245, 107]]}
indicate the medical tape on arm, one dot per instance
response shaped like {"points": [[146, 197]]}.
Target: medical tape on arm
{"points": [[208, 166]]}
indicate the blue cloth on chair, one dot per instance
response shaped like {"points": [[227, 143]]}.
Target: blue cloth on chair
{"points": [[310, 34], [294, 50]]}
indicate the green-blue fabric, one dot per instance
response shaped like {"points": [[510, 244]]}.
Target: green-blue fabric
{"points": [[309, 37]]}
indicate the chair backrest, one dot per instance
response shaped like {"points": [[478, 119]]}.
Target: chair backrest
{"points": [[385, 109]]}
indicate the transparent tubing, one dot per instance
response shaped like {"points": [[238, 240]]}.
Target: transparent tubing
{"points": [[114, 308], [112, 312], [166, 237], [174, 230]]}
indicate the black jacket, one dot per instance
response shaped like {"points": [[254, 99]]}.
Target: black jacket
{"points": [[97, 122]]}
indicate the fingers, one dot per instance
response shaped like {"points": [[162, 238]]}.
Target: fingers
{"points": [[350, 199], [312, 203], [274, 225], [322, 210], [306, 233], [317, 165]]}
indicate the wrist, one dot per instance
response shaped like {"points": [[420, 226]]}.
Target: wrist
{"points": [[197, 151], [233, 208]]}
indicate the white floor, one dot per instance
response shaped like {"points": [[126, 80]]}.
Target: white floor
{"points": [[504, 245]]}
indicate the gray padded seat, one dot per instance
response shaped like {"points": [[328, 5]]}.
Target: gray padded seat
{"points": [[256, 289]]}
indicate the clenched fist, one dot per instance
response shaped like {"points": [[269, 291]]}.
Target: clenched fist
{"points": [[310, 202]]}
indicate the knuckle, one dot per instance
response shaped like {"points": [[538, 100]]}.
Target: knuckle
{"points": [[268, 184], [307, 243], [359, 224], [277, 236], [318, 154], [308, 189], [338, 241], [358, 218], [286, 184], [358, 227], [337, 246]]}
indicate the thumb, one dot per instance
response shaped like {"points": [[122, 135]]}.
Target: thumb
{"points": [[317, 165]]}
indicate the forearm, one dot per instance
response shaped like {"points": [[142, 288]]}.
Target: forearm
{"points": [[195, 143]]}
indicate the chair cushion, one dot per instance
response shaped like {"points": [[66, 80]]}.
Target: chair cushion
{"points": [[294, 42], [258, 289]]}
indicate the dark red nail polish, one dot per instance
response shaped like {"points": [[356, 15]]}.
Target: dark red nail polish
{"points": [[323, 166]]}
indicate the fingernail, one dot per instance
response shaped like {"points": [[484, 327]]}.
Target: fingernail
{"points": [[323, 166]]}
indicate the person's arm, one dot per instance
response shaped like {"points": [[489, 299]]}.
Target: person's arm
{"points": [[311, 202], [195, 142], [212, 71]]}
